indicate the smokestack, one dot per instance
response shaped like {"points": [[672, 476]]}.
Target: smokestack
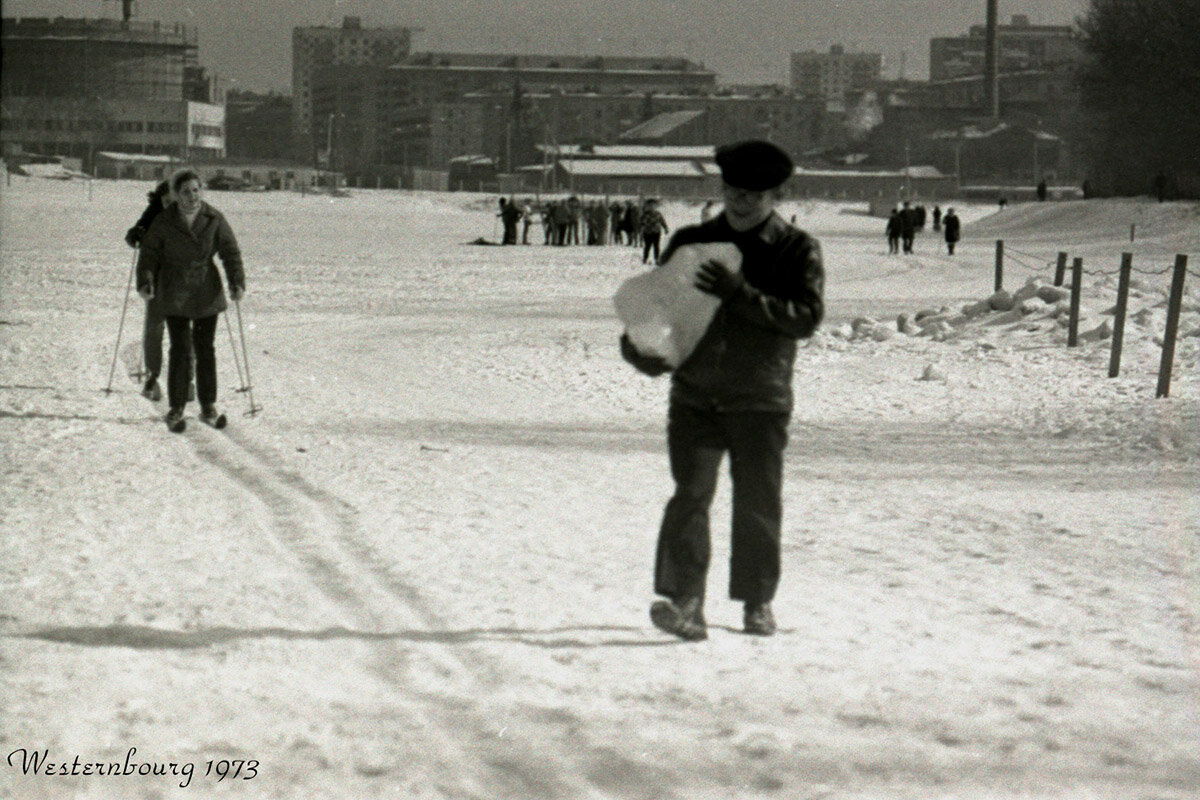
{"points": [[991, 66]]}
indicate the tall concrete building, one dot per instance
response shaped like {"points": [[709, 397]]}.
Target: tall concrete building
{"points": [[371, 119], [513, 132], [74, 87], [1021, 46], [834, 75], [315, 48]]}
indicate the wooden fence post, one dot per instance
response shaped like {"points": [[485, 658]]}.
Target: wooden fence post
{"points": [[999, 264], [1060, 269], [1118, 334], [1076, 289], [1174, 303]]}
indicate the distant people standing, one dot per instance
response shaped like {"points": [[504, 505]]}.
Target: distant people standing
{"points": [[950, 222], [509, 215], [893, 232], [937, 218], [1003, 202], [573, 213], [526, 221], [920, 211], [908, 226], [653, 227], [547, 212], [597, 223], [562, 221], [629, 223], [1042, 191], [614, 221]]}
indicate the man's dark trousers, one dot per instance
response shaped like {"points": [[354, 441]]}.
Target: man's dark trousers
{"points": [[696, 441]]}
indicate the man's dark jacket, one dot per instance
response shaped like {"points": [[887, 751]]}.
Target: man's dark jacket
{"points": [[745, 359]]}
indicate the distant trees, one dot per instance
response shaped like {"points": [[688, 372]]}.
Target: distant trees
{"points": [[1141, 95]]}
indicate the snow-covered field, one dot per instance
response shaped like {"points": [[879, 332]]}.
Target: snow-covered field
{"points": [[423, 571]]}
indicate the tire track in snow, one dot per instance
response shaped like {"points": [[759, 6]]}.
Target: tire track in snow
{"points": [[519, 758]]}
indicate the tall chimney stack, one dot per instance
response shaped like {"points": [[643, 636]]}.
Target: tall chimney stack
{"points": [[991, 62], [126, 10]]}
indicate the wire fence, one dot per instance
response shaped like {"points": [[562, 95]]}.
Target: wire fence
{"points": [[1020, 256], [1037, 265]]}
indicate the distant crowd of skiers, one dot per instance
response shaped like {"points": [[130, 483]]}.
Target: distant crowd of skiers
{"points": [[573, 221], [904, 223]]}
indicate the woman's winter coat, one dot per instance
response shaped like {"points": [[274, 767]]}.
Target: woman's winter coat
{"points": [[178, 262]]}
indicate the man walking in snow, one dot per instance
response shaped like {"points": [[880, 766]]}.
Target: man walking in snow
{"points": [[951, 224], [908, 226], [893, 232], [653, 227], [733, 394]]}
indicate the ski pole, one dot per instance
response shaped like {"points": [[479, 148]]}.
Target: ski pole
{"points": [[236, 362], [121, 327], [246, 358]]}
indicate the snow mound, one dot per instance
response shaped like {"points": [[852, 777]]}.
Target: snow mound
{"points": [[1095, 219], [1038, 312], [52, 171]]}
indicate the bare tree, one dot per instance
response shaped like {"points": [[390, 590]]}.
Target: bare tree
{"points": [[1141, 95]]}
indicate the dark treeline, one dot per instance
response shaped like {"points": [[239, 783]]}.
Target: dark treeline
{"points": [[1141, 97]]}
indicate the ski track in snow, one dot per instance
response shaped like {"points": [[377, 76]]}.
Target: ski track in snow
{"points": [[320, 533]]}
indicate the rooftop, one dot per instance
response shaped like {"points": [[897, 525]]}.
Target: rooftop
{"points": [[67, 29], [634, 168], [658, 126], [566, 63], [636, 151]]}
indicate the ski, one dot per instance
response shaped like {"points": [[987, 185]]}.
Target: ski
{"points": [[219, 422]]}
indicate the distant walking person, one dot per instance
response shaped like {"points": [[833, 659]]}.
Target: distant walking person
{"points": [[937, 218], [653, 227], [526, 221], [951, 224], [908, 226], [893, 232], [614, 222], [1042, 191], [176, 271]]}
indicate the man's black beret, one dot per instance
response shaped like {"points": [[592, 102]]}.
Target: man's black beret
{"points": [[754, 165]]}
